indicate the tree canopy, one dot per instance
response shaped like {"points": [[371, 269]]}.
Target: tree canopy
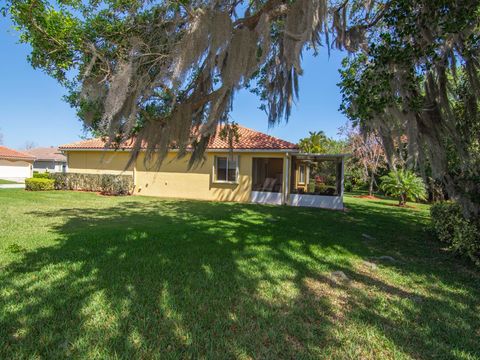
{"points": [[367, 154], [319, 143], [166, 71], [419, 78]]}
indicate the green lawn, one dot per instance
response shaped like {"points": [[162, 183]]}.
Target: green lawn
{"points": [[4, 182], [86, 276]]}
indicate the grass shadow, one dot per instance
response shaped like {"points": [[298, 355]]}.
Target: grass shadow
{"points": [[182, 279]]}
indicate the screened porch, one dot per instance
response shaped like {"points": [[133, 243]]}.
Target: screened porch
{"points": [[316, 180], [299, 179]]}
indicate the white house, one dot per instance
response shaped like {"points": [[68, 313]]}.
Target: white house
{"points": [[15, 165], [48, 159]]}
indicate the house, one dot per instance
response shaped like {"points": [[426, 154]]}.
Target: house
{"points": [[15, 165], [48, 159], [259, 168]]}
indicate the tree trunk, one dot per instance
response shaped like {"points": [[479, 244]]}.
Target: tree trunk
{"points": [[403, 200], [370, 188]]}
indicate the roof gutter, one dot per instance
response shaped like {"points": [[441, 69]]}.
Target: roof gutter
{"points": [[51, 159], [318, 155], [176, 150], [17, 158]]}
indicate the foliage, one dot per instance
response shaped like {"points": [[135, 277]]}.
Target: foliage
{"points": [[368, 157], [39, 184], [348, 186], [167, 71], [451, 227], [419, 78], [116, 184], [44, 175], [404, 185], [107, 184], [323, 189], [311, 187], [319, 143]]}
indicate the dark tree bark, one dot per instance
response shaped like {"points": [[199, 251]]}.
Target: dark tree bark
{"points": [[372, 181]]}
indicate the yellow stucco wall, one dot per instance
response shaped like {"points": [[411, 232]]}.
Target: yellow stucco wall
{"points": [[173, 180], [98, 162]]}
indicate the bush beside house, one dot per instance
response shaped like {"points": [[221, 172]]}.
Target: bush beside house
{"points": [[44, 175], [452, 228], [39, 184], [105, 183]]}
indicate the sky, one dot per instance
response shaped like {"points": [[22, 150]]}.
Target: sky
{"points": [[32, 109]]}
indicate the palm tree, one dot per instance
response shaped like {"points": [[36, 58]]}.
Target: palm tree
{"points": [[316, 142], [404, 185]]}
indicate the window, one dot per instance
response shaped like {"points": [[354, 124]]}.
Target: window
{"points": [[226, 168], [301, 177]]}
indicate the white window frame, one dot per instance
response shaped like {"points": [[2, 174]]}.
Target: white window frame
{"points": [[229, 158], [300, 167]]}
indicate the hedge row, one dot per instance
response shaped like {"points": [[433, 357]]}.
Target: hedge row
{"points": [[44, 175], [39, 184], [451, 227], [105, 183]]}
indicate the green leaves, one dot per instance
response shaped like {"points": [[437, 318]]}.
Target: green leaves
{"points": [[319, 143], [404, 185], [419, 78], [55, 35]]}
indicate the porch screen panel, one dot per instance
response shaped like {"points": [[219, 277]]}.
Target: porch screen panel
{"points": [[316, 176], [267, 174]]}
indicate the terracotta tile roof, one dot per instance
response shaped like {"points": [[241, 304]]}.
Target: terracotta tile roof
{"points": [[248, 140], [47, 153], [6, 153], [93, 144]]}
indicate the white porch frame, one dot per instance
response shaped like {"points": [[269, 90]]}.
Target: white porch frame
{"points": [[285, 197], [334, 202]]}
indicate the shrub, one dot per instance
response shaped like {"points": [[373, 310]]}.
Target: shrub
{"points": [[105, 183], [330, 191], [116, 185], [404, 185], [322, 189], [311, 187], [44, 175], [39, 184], [451, 227], [348, 186]]}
